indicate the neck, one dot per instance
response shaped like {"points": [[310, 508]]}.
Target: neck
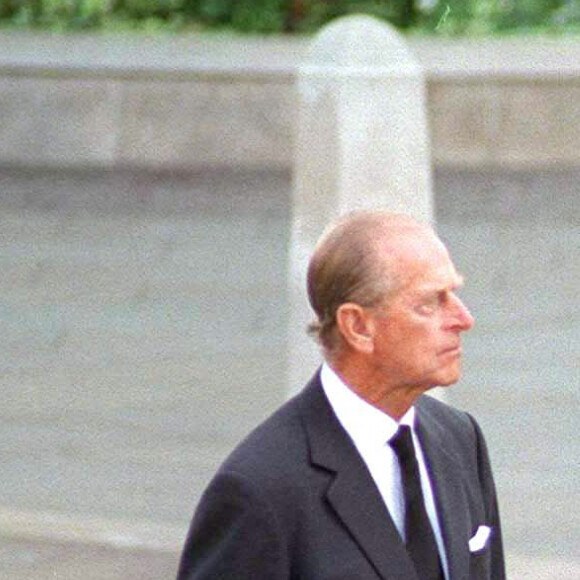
{"points": [[390, 398]]}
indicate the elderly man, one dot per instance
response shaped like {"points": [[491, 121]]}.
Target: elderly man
{"points": [[361, 476]]}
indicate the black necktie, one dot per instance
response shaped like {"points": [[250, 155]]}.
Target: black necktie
{"points": [[419, 537]]}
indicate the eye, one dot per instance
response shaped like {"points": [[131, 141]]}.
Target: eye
{"points": [[429, 306]]}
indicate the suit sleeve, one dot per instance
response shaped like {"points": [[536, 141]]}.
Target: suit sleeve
{"points": [[492, 509], [234, 535]]}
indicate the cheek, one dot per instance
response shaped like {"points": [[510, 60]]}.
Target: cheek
{"points": [[414, 349], [423, 337], [423, 345], [410, 340]]}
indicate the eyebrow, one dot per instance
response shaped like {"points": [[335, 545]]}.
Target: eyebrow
{"points": [[457, 282]]}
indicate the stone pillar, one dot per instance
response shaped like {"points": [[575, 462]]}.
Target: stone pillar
{"points": [[361, 143]]}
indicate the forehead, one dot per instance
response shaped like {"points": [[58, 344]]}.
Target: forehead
{"points": [[420, 261], [435, 281]]}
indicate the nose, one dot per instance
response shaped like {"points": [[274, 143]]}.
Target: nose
{"points": [[461, 317]]}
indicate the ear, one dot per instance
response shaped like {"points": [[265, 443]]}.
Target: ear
{"points": [[356, 327]]}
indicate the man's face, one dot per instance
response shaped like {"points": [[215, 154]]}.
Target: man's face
{"points": [[417, 334]]}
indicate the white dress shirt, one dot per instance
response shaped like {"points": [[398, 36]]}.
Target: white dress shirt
{"points": [[371, 430]]}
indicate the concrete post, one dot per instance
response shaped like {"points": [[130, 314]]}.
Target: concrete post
{"points": [[361, 143]]}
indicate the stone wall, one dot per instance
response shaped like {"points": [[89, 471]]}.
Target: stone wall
{"points": [[199, 101]]}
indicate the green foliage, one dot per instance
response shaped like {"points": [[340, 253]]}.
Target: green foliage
{"points": [[55, 14], [210, 11], [528, 13], [441, 17], [141, 9], [477, 17], [315, 13], [259, 15]]}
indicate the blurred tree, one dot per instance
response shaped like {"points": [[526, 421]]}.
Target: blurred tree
{"points": [[526, 13], [259, 15], [409, 14], [141, 9], [444, 17], [214, 12], [568, 15]]}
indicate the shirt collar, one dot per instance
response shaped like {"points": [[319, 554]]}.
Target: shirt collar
{"points": [[366, 425]]}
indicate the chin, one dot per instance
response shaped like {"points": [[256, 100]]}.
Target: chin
{"points": [[446, 384], [449, 379]]}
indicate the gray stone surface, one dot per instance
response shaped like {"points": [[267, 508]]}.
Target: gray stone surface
{"points": [[245, 122], [464, 122], [117, 316], [509, 124], [58, 121], [202, 100], [143, 325], [23, 559]]}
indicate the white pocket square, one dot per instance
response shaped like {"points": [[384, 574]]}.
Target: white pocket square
{"points": [[479, 541]]}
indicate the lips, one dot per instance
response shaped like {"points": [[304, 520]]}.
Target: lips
{"points": [[452, 351]]}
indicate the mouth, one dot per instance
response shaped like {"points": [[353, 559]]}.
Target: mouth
{"points": [[454, 351]]}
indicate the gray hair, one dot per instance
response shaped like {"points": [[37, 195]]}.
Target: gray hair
{"points": [[347, 267]]}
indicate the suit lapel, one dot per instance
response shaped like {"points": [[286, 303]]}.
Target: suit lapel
{"points": [[358, 504], [352, 492], [452, 507]]}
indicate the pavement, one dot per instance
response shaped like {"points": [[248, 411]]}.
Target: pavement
{"points": [[23, 559], [140, 309]]}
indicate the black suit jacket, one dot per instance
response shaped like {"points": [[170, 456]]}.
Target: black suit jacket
{"points": [[295, 501]]}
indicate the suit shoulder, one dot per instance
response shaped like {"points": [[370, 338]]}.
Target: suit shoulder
{"points": [[441, 411], [451, 423], [272, 449]]}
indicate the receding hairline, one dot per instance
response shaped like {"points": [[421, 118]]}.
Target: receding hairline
{"points": [[356, 257], [365, 225]]}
